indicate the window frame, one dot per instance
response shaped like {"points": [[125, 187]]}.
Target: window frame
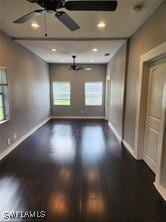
{"points": [[3, 107], [5, 97], [68, 82], [85, 93]]}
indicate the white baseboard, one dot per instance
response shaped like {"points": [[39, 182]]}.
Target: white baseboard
{"points": [[129, 148], [13, 146], [152, 165], [160, 189], [77, 117], [115, 132]]}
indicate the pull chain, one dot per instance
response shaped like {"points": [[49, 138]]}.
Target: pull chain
{"points": [[45, 25]]}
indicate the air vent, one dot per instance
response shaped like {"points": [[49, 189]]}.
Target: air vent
{"points": [[138, 7]]}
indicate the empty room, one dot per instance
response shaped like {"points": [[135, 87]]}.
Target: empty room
{"points": [[83, 110]]}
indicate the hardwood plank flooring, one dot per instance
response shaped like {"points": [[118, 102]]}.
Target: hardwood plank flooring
{"points": [[76, 170]]}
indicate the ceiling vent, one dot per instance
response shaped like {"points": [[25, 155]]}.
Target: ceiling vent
{"points": [[138, 7]]}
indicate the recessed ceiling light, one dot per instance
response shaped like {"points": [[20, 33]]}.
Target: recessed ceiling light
{"points": [[35, 25], [95, 50], [53, 50], [92, 60], [101, 25], [62, 60]]}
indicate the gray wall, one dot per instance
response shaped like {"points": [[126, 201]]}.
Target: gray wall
{"points": [[116, 72], [151, 34], [28, 79], [77, 79]]}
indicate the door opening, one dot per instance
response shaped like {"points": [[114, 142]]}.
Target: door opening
{"points": [[153, 120]]}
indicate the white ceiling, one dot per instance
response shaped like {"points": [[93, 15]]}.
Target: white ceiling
{"points": [[65, 50], [119, 24]]}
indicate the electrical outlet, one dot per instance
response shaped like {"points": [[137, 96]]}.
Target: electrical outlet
{"points": [[82, 111], [8, 141]]}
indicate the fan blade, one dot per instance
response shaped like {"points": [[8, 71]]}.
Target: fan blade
{"points": [[67, 21], [87, 69], [91, 5], [80, 68], [84, 68], [33, 1], [28, 16]]}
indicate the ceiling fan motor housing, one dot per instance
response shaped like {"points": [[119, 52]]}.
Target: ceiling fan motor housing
{"points": [[49, 4]]}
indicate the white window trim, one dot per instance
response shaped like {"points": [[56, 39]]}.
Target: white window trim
{"points": [[7, 114], [53, 92], [85, 93]]}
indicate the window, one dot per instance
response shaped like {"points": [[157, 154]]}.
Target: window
{"points": [[61, 93], [93, 93], [4, 105], [2, 115]]}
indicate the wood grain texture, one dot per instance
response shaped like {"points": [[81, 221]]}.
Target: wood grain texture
{"points": [[76, 170]]}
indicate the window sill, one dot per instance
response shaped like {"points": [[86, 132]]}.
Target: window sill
{"points": [[61, 105], [93, 105], [4, 121]]}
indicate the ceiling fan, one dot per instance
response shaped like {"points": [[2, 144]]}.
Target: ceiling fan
{"points": [[52, 6], [75, 67]]}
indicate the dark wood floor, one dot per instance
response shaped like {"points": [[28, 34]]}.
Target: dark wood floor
{"points": [[76, 170]]}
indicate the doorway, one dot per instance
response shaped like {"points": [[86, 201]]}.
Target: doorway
{"points": [[159, 162], [154, 109]]}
